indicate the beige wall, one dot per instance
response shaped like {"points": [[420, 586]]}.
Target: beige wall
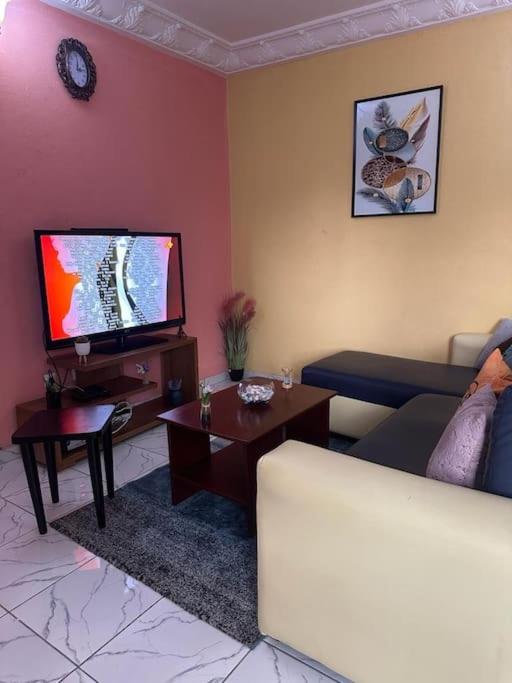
{"points": [[402, 285]]}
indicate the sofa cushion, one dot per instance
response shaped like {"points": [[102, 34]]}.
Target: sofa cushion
{"points": [[386, 380], [457, 456], [500, 336], [406, 439], [498, 471]]}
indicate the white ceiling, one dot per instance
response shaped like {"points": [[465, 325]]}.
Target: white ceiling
{"points": [[233, 35], [235, 20]]}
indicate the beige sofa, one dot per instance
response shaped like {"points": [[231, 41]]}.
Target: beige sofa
{"points": [[381, 575]]}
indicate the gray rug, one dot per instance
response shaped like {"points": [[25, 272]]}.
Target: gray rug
{"points": [[196, 553]]}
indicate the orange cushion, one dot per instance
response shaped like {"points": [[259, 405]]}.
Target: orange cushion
{"points": [[494, 372]]}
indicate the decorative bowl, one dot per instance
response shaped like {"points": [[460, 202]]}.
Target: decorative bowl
{"points": [[256, 392]]}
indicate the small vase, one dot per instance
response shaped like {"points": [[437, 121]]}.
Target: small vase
{"points": [[206, 414], [236, 375], [175, 397], [53, 399], [287, 378]]}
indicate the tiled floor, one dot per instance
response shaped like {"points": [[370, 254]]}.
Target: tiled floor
{"points": [[66, 615]]}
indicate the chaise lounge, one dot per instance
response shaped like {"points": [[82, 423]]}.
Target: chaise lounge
{"points": [[397, 407]]}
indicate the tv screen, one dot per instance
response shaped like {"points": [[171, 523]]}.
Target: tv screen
{"points": [[104, 284]]}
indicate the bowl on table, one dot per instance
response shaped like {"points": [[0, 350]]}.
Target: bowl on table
{"points": [[256, 392]]}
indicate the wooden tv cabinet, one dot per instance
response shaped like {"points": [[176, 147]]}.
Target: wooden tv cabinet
{"points": [[178, 358]]}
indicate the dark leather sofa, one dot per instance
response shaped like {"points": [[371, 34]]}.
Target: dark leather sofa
{"points": [[425, 394]]}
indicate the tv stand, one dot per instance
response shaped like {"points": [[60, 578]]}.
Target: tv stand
{"points": [[128, 343], [115, 373]]}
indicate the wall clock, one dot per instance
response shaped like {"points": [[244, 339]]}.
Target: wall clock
{"points": [[76, 68]]}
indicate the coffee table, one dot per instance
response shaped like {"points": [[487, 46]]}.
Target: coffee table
{"points": [[300, 413]]}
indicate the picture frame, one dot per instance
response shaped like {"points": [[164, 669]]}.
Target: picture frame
{"points": [[396, 148]]}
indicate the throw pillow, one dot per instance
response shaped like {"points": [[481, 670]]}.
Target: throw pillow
{"points": [[502, 334], [456, 457], [507, 356], [494, 372], [498, 471]]}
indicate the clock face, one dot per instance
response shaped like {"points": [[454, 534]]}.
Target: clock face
{"points": [[78, 68]]}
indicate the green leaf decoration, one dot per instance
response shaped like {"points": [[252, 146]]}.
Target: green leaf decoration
{"points": [[382, 116], [369, 137], [405, 195], [380, 198]]}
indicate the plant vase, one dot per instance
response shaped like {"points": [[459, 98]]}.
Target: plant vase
{"points": [[205, 393], [83, 349], [53, 399], [236, 375], [175, 392], [206, 413], [237, 312]]}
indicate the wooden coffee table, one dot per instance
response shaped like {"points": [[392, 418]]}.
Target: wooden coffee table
{"points": [[300, 413]]}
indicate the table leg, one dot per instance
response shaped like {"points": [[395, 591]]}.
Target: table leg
{"points": [[93, 455], [312, 426], [253, 452], [51, 466], [186, 448], [109, 459], [29, 462]]}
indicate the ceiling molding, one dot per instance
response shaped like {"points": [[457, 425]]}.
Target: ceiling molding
{"points": [[146, 21]]}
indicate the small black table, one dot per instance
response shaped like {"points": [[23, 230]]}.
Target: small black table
{"points": [[86, 423]]}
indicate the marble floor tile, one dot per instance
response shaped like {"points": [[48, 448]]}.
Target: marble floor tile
{"points": [[82, 612], [12, 474], [9, 452], [218, 443], [33, 562], [166, 644], [75, 490], [12, 448], [267, 663], [306, 660], [14, 522], [77, 676], [130, 462], [154, 440], [26, 657]]}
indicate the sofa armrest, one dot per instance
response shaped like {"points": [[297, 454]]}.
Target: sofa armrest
{"points": [[383, 576], [465, 348]]}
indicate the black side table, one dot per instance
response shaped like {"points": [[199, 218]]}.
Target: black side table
{"points": [[91, 424]]}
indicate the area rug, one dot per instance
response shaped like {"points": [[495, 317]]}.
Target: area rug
{"points": [[197, 553]]}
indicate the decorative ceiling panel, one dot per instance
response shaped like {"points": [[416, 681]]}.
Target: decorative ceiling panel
{"points": [[147, 21]]}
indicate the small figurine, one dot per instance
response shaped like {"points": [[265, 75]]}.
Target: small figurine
{"points": [[142, 370]]}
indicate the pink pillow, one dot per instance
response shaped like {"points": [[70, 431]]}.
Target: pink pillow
{"points": [[456, 457]]}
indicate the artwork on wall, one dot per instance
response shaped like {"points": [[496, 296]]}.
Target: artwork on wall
{"points": [[396, 153]]}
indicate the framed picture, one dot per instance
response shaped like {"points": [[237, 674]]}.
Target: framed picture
{"points": [[396, 153]]}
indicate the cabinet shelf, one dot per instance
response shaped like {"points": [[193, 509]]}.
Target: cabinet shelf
{"points": [[119, 388], [178, 358]]}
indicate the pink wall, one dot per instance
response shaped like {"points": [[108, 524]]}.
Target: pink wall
{"points": [[148, 151]]}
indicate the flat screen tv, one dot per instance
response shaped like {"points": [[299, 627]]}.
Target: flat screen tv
{"points": [[108, 284]]}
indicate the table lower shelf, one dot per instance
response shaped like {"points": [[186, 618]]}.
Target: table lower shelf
{"points": [[222, 473]]}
